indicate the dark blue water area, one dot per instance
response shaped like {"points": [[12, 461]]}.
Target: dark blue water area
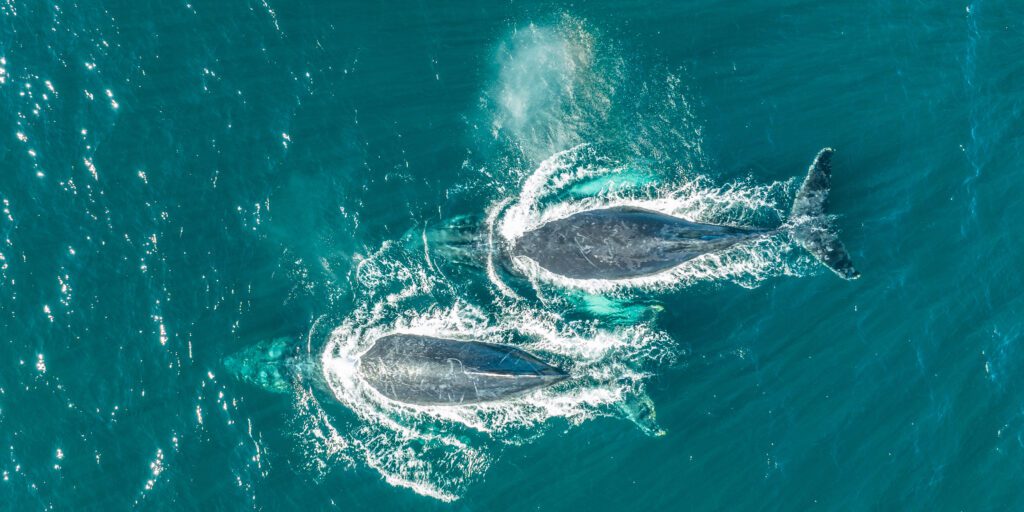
{"points": [[181, 180]]}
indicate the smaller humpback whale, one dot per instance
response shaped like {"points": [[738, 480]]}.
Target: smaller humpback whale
{"points": [[425, 370], [625, 242], [420, 370]]}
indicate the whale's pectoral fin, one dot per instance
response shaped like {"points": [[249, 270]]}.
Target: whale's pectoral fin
{"points": [[809, 225], [617, 311], [639, 409], [627, 179]]}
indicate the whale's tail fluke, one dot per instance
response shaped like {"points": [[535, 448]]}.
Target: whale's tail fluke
{"points": [[808, 221], [276, 365], [264, 364]]}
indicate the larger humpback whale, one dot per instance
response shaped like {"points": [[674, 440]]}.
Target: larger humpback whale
{"points": [[410, 368], [624, 242]]}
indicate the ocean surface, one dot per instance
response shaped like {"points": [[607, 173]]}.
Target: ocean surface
{"points": [[183, 180]]}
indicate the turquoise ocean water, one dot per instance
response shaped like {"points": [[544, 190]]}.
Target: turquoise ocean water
{"points": [[183, 180]]}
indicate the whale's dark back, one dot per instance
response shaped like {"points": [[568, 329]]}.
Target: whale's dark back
{"points": [[435, 371], [623, 242]]}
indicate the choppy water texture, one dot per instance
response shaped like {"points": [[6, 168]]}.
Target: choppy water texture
{"points": [[182, 180]]}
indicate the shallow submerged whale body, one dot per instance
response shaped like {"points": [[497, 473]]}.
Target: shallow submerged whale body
{"points": [[624, 242], [409, 368], [425, 370]]}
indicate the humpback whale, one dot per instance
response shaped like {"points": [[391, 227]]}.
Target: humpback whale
{"points": [[421, 370], [625, 242], [425, 370]]}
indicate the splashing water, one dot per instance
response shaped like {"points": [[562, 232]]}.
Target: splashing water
{"points": [[551, 88], [560, 85]]}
